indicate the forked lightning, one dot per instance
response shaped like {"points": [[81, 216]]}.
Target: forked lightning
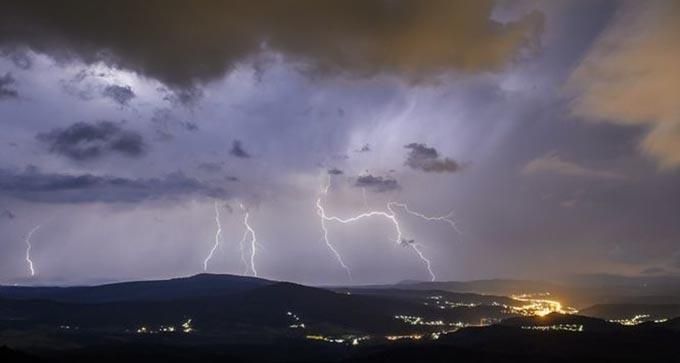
{"points": [[390, 215]]}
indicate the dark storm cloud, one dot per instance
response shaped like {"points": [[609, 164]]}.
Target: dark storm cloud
{"points": [[238, 151], [122, 95], [7, 90], [86, 141], [377, 184], [334, 171], [33, 185], [182, 43], [427, 159]]}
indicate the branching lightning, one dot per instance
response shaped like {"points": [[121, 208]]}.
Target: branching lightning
{"points": [[399, 239], [445, 218], [218, 237], [28, 249], [391, 216]]}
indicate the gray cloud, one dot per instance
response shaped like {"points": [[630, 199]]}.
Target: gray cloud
{"points": [[654, 271], [81, 85], [189, 126], [33, 185], [122, 95], [6, 87], [629, 77], [238, 151], [18, 57], [86, 141], [552, 163], [178, 96], [377, 184], [364, 149], [675, 260], [335, 171], [210, 167], [412, 39], [164, 122], [7, 214], [427, 159]]}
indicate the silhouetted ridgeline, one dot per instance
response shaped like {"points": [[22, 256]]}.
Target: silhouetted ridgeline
{"points": [[219, 318]]}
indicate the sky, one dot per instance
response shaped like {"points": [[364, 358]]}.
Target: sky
{"points": [[139, 136]]}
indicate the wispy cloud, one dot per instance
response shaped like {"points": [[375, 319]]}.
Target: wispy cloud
{"points": [[552, 163]]}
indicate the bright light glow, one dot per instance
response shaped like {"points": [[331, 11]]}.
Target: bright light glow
{"points": [[417, 320], [563, 327], [637, 319], [344, 339], [402, 337], [539, 305], [186, 327], [297, 322], [28, 249]]}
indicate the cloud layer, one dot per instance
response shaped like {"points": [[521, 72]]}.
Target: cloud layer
{"points": [[7, 90], [184, 43], [377, 184], [122, 95], [552, 163], [85, 141], [630, 77], [36, 186]]}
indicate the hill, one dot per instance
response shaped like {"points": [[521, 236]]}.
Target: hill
{"points": [[202, 285], [644, 312]]}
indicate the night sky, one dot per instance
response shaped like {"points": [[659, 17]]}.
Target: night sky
{"points": [[550, 130]]}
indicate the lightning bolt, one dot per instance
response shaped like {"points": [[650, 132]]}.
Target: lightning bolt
{"points": [[241, 245], [28, 249], [399, 239], [390, 215], [416, 247], [218, 236], [322, 214], [253, 239], [445, 218], [428, 263]]}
